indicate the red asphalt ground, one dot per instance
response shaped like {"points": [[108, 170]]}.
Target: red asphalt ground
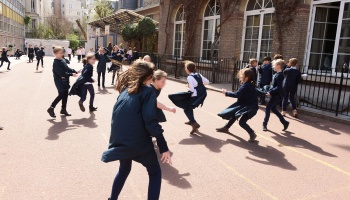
{"points": [[44, 158]]}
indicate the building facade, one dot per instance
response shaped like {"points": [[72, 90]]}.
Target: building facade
{"points": [[12, 26], [318, 35], [72, 10], [34, 9]]}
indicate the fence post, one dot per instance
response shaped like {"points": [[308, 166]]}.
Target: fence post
{"points": [[339, 93], [175, 66], [213, 67], [234, 74]]}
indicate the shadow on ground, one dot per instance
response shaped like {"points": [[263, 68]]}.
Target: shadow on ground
{"points": [[287, 139], [172, 175], [213, 144], [264, 155], [64, 125], [103, 91]]}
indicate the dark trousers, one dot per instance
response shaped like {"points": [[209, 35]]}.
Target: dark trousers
{"points": [[70, 57], [151, 163], [113, 76], [61, 96], [79, 58], [289, 94], [103, 74], [9, 63], [242, 123], [189, 114], [272, 106], [40, 59], [84, 89]]}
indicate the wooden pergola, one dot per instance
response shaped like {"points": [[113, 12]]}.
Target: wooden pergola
{"points": [[117, 20]]}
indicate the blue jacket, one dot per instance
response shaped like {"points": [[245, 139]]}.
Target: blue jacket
{"points": [[255, 72], [292, 77], [265, 74], [247, 102], [277, 82], [61, 74], [160, 114], [103, 59], [134, 123], [86, 76]]}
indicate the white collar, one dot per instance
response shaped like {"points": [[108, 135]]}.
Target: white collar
{"points": [[292, 67]]}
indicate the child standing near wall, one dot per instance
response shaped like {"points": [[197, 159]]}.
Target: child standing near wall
{"points": [[292, 78], [246, 106], [276, 93]]}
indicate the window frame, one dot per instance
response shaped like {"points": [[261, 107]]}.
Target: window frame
{"points": [[182, 23]]}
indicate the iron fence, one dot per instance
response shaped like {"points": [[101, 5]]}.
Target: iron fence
{"points": [[217, 70], [326, 90]]}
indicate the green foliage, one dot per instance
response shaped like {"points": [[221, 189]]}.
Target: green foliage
{"points": [[131, 32], [42, 32], [103, 8], [73, 40], [147, 27], [27, 20]]}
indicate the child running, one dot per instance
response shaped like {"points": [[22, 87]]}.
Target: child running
{"points": [[61, 74], [158, 83], [134, 123], [4, 58], [246, 106], [276, 93], [292, 78], [195, 97]]}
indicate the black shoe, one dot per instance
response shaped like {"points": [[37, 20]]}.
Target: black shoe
{"points": [[51, 112], [64, 112], [103, 86], [92, 109], [188, 123], [81, 106], [252, 138], [264, 128], [8, 69], [222, 130], [112, 83], [285, 126]]}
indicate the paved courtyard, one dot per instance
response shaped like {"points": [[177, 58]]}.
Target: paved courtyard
{"points": [[60, 159]]}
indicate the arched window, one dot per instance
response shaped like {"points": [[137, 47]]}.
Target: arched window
{"points": [[179, 33], [258, 30], [210, 21]]}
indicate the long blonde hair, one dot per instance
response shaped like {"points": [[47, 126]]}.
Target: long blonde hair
{"points": [[139, 72]]}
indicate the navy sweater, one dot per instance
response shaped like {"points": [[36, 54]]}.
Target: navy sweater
{"points": [[292, 77], [277, 82], [265, 74]]}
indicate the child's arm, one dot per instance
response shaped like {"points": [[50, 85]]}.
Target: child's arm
{"points": [[205, 80], [236, 94], [164, 107]]}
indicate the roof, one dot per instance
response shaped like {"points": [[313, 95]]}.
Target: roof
{"points": [[147, 7], [123, 16]]}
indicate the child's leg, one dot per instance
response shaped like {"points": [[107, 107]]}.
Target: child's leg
{"points": [[292, 99], [190, 115], [8, 66], [151, 163], [268, 111], [119, 181], [113, 77], [83, 94], [230, 122], [245, 126], [285, 100], [278, 114], [92, 94]]}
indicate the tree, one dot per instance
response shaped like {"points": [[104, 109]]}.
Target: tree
{"points": [[27, 20], [73, 41], [60, 27], [147, 29], [103, 8]]}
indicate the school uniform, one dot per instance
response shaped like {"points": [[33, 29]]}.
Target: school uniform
{"points": [[276, 93], [292, 77], [245, 108], [265, 79], [160, 114], [101, 66], [79, 55], [134, 123], [83, 52], [194, 98], [135, 55], [4, 58], [61, 74], [31, 54], [36, 49], [40, 57], [255, 73], [69, 52], [18, 54], [118, 57]]}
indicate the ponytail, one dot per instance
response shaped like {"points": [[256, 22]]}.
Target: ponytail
{"points": [[85, 61]]}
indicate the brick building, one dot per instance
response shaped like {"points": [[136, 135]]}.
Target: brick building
{"points": [[319, 35]]}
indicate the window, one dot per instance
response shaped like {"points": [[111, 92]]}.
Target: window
{"points": [[32, 5], [210, 22], [258, 30], [179, 31], [70, 5], [329, 38], [33, 23]]}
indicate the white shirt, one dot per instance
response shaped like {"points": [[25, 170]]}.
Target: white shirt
{"points": [[79, 52], [83, 52], [69, 51], [192, 83]]}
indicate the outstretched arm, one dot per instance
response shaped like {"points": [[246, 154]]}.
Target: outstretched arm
{"points": [[164, 107]]}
